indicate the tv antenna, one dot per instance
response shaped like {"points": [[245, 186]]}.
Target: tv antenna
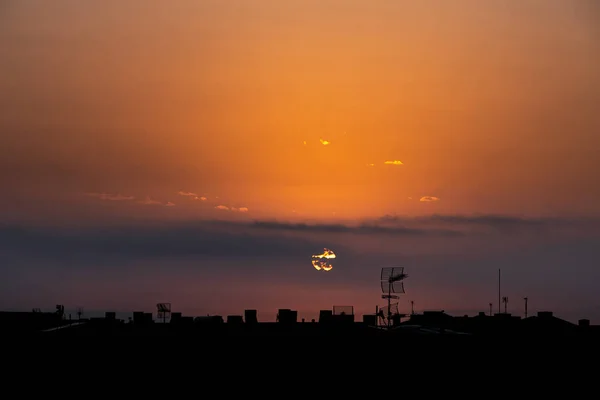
{"points": [[163, 311], [392, 284], [79, 312], [505, 301], [525, 298], [499, 279], [385, 313]]}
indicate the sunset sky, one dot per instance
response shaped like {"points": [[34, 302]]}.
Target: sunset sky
{"points": [[199, 152]]}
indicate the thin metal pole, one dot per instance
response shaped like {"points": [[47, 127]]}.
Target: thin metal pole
{"points": [[389, 304], [499, 301]]}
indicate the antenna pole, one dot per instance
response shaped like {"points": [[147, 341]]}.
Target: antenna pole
{"points": [[389, 323], [525, 307], [499, 291], [391, 277], [412, 307], [490, 309]]}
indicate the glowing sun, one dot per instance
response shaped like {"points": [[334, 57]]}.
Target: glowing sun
{"points": [[322, 262]]}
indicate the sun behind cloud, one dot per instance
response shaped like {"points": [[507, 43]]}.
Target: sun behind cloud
{"points": [[321, 262]]}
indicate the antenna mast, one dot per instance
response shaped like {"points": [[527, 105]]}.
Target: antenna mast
{"points": [[498, 290], [391, 282], [525, 298], [163, 311]]}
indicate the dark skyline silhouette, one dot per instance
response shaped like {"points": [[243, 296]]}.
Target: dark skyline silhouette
{"points": [[338, 321]]}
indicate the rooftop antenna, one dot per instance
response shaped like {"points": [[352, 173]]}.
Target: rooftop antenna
{"points": [[163, 311], [79, 312], [412, 307], [498, 290], [60, 311], [490, 309], [392, 284], [525, 298], [505, 301], [386, 313]]}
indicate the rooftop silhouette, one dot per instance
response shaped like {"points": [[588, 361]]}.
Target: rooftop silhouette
{"points": [[340, 320]]}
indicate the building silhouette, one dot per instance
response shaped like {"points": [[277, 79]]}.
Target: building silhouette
{"points": [[337, 321]]}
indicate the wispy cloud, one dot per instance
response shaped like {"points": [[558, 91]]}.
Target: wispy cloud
{"points": [[110, 197], [119, 197], [189, 194], [504, 224], [365, 228], [234, 209], [201, 198], [324, 142], [429, 199], [148, 201], [393, 162]]}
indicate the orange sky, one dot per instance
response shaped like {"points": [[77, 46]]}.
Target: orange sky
{"points": [[490, 106], [108, 109]]}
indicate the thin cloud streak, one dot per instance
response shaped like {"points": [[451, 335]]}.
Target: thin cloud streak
{"points": [[234, 209], [428, 199], [362, 229], [110, 197], [188, 194], [148, 201]]}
